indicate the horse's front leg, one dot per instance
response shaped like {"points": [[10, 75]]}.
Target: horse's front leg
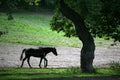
{"points": [[45, 65], [40, 62], [28, 60], [23, 61]]}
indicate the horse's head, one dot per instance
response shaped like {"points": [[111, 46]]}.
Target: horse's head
{"points": [[54, 51]]}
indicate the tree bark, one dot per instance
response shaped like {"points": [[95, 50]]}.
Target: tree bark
{"points": [[88, 48]]}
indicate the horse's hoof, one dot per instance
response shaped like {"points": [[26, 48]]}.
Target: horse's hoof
{"points": [[40, 67], [45, 67], [30, 67]]}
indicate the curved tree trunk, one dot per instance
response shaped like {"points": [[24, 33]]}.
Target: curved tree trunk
{"points": [[87, 52]]}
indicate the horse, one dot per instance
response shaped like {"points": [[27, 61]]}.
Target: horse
{"points": [[40, 52]]}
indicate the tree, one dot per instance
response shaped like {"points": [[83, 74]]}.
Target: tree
{"points": [[87, 52], [101, 17], [85, 8]]}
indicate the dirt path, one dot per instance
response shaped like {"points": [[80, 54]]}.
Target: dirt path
{"points": [[67, 56]]}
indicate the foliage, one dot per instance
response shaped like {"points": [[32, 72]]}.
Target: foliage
{"points": [[115, 65], [33, 2], [8, 6], [11, 6], [101, 17], [86, 10], [110, 18], [50, 3], [60, 23]]}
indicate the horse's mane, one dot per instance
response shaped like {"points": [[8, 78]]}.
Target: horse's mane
{"points": [[46, 47]]}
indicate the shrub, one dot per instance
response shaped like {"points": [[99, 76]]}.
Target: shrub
{"points": [[114, 65]]}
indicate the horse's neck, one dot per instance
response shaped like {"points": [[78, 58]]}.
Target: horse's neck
{"points": [[49, 50]]}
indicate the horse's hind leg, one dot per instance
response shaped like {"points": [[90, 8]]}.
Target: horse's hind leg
{"points": [[45, 65], [23, 61], [40, 62], [44, 62], [28, 60]]}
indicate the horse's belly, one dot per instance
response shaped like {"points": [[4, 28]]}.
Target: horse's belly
{"points": [[37, 55]]}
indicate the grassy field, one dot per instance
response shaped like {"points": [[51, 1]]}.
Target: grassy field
{"points": [[19, 74], [34, 28]]}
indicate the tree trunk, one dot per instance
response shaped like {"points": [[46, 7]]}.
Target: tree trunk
{"points": [[87, 52]]}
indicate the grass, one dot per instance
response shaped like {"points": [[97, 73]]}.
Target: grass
{"points": [[31, 28], [19, 74], [34, 28]]}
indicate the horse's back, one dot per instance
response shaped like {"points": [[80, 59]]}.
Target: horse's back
{"points": [[34, 52]]}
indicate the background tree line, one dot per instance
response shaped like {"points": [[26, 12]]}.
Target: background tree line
{"points": [[10, 6]]}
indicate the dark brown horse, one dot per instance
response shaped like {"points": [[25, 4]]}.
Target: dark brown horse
{"points": [[40, 52]]}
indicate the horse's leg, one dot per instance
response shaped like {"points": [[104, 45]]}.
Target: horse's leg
{"points": [[28, 60], [40, 62], [23, 61], [44, 62], [45, 65]]}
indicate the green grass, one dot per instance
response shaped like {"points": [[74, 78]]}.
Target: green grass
{"points": [[34, 28], [19, 74]]}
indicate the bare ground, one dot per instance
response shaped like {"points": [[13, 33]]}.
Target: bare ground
{"points": [[67, 56]]}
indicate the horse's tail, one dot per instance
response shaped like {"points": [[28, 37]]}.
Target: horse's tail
{"points": [[22, 54]]}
